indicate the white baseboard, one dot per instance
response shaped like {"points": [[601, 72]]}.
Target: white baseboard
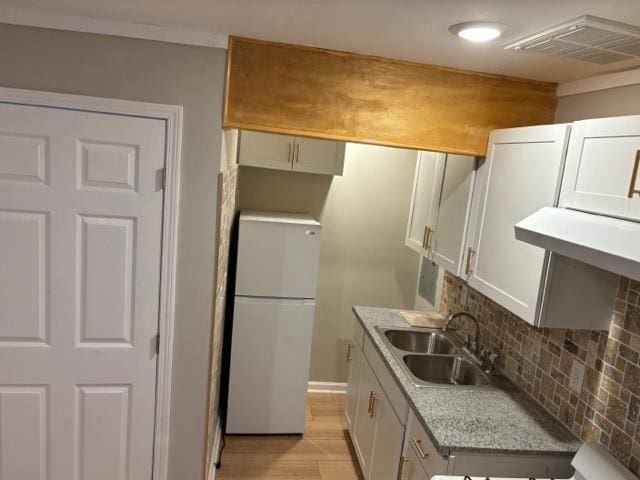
{"points": [[217, 440], [327, 387]]}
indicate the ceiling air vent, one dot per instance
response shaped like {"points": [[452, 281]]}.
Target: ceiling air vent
{"points": [[590, 39]]}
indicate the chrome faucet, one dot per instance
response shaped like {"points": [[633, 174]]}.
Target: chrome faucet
{"points": [[475, 348]]}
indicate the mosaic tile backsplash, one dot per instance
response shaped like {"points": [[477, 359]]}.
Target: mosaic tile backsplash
{"points": [[539, 361]]}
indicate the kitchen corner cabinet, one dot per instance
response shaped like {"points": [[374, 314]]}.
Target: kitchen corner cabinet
{"points": [[298, 154], [440, 206], [521, 174], [602, 173]]}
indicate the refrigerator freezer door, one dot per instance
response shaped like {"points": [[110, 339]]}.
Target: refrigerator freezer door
{"points": [[270, 351], [277, 259]]}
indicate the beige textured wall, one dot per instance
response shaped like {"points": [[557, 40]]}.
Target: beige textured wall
{"points": [[227, 202], [363, 259], [96, 65], [603, 103]]}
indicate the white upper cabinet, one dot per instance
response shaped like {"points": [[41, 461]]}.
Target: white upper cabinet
{"points": [[426, 192], [440, 206], [318, 156], [265, 150], [453, 212], [282, 152], [602, 173], [521, 174]]}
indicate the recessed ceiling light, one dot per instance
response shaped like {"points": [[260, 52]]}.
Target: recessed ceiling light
{"points": [[478, 31]]}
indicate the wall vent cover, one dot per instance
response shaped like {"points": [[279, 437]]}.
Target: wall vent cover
{"points": [[590, 39]]}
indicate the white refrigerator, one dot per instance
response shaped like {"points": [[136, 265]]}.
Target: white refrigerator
{"points": [[273, 313]]}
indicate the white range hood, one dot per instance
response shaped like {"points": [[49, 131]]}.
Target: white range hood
{"points": [[609, 243]]}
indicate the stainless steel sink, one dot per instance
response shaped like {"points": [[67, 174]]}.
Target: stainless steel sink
{"points": [[445, 370], [433, 358], [420, 342]]}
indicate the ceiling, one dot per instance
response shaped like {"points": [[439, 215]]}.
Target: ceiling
{"points": [[404, 29]]}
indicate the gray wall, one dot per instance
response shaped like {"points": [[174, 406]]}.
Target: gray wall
{"points": [[603, 103], [193, 77], [363, 259]]}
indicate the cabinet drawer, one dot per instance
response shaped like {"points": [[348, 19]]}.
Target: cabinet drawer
{"points": [[388, 384], [424, 450]]}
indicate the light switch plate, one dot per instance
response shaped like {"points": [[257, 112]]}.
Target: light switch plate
{"points": [[577, 376]]}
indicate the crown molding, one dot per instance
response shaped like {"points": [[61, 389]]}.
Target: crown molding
{"points": [[75, 23], [599, 82]]}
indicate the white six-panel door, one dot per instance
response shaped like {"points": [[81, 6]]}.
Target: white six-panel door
{"points": [[80, 239]]}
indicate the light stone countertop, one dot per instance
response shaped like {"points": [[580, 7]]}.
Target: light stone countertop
{"points": [[466, 420]]}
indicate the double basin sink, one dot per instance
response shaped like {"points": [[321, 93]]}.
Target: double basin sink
{"points": [[433, 358]]}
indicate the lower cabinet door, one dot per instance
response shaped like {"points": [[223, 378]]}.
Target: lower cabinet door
{"points": [[364, 427], [387, 448], [353, 383], [411, 468]]}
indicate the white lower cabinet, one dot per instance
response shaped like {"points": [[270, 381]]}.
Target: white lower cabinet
{"points": [[387, 445], [364, 428], [354, 356], [376, 430]]}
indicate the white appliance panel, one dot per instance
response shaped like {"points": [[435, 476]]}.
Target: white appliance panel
{"points": [[270, 353], [277, 258]]}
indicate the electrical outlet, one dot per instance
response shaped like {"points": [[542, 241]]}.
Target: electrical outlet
{"points": [[577, 376], [464, 294]]}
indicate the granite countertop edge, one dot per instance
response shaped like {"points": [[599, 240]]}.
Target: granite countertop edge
{"points": [[565, 447]]}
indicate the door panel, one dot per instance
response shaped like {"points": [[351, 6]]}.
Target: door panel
{"points": [[80, 238], [524, 167], [24, 315], [105, 264], [388, 441], [600, 163], [318, 156], [265, 150], [453, 212], [424, 204], [353, 383], [365, 426], [24, 436], [102, 421]]}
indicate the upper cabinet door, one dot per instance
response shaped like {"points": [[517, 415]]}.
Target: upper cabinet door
{"points": [[521, 174], [424, 204], [318, 156], [453, 212], [266, 150], [602, 172]]}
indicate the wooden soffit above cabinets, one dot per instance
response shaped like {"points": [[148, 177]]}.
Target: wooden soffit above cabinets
{"points": [[295, 90]]}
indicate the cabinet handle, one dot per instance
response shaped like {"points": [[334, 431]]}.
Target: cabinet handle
{"points": [[374, 399], [429, 237], [424, 237], [402, 468], [417, 444], [470, 253], [289, 159], [632, 186], [297, 152], [349, 352]]}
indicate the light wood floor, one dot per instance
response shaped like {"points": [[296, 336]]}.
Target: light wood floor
{"points": [[324, 452]]}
